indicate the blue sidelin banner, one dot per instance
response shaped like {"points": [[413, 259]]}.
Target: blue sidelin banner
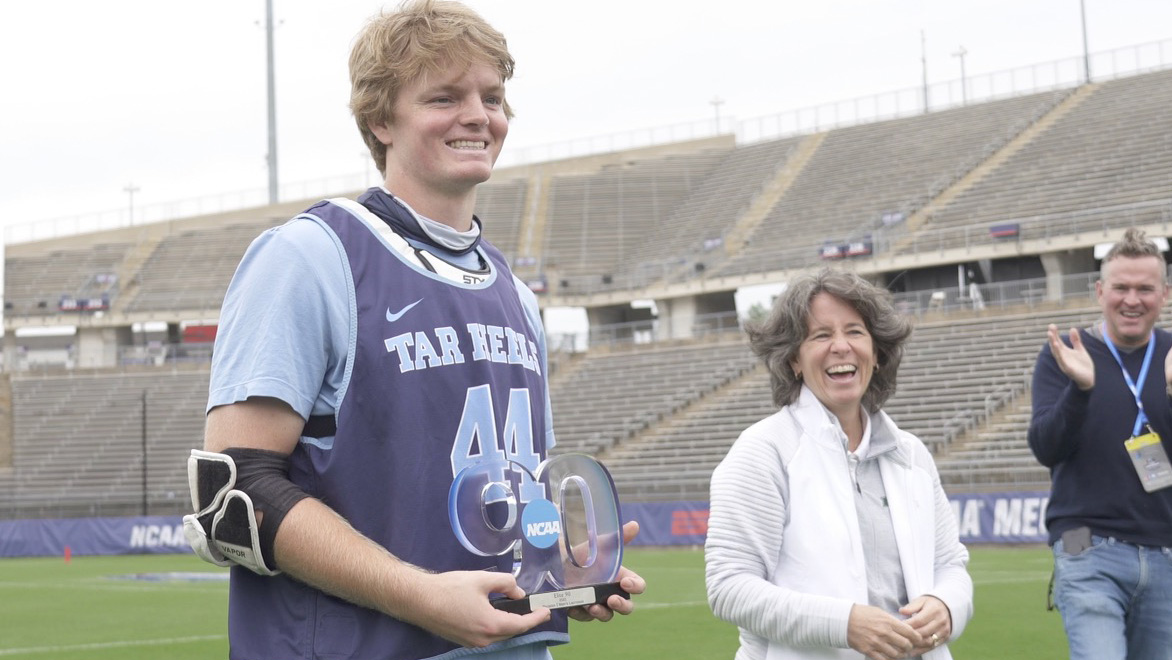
{"points": [[669, 523], [1014, 517], [92, 536], [1010, 517]]}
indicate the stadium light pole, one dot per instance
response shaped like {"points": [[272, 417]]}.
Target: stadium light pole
{"points": [[924, 66], [716, 103], [964, 95], [130, 189], [272, 114], [1086, 51]]}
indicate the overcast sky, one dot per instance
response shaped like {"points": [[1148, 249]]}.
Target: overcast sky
{"points": [[170, 96]]}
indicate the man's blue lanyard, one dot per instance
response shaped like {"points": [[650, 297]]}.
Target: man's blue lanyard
{"points": [[1141, 418]]}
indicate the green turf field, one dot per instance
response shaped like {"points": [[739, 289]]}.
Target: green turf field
{"points": [[674, 622], [87, 609]]}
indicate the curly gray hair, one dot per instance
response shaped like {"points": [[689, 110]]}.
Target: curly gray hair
{"points": [[778, 339]]}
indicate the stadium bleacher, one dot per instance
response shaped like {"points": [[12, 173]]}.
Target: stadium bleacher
{"points": [[79, 441], [864, 173], [503, 205], [595, 219], [660, 417], [700, 226], [686, 227], [1109, 160], [37, 285], [191, 271]]}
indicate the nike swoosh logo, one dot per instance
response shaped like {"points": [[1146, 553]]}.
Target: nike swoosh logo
{"points": [[395, 316]]}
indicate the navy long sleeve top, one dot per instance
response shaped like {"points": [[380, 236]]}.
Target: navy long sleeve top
{"points": [[1080, 435]]}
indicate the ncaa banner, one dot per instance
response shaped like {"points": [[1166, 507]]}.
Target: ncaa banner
{"points": [[92, 536], [669, 523], [1013, 517], [982, 518]]}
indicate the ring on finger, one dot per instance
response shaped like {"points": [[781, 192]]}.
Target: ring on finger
{"points": [[935, 640]]}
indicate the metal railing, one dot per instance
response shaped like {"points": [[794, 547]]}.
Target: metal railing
{"points": [[1028, 294], [895, 240], [1019, 81]]}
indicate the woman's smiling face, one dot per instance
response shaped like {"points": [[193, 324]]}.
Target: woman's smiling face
{"points": [[837, 358]]}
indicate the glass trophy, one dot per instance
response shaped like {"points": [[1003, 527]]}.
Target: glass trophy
{"points": [[561, 524]]}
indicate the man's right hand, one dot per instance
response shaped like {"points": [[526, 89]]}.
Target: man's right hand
{"points": [[1073, 360], [456, 607]]}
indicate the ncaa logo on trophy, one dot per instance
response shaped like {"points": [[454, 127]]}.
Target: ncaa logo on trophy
{"points": [[567, 549]]}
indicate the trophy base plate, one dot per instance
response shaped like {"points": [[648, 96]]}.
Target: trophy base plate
{"points": [[556, 600]]}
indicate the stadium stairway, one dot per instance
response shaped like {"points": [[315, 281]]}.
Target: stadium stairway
{"points": [[1105, 165], [531, 233], [863, 179], [763, 203], [130, 269]]}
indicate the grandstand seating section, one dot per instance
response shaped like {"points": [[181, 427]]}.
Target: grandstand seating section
{"points": [[659, 415], [612, 395], [1112, 154], [698, 227], [35, 285], [501, 207], [78, 446], [191, 271], [594, 219], [949, 387], [863, 172]]}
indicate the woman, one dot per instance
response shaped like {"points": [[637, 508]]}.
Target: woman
{"points": [[829, 535]]}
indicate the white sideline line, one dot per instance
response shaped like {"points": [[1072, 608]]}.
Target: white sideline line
{"points": [[1005, 577], [112, 645], [116, 586], [640, 605]]}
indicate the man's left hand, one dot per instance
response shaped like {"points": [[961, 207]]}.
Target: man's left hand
{"points": [[628, 580]]}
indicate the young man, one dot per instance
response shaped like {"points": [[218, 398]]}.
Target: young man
{"points": [[369, 351], [1101, 400]]}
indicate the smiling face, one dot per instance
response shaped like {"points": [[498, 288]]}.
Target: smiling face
{"points": [[1131, 293], [446, 132], [837, 358]]}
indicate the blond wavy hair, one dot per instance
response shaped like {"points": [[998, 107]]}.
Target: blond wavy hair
{"points": [[421, 37]]}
